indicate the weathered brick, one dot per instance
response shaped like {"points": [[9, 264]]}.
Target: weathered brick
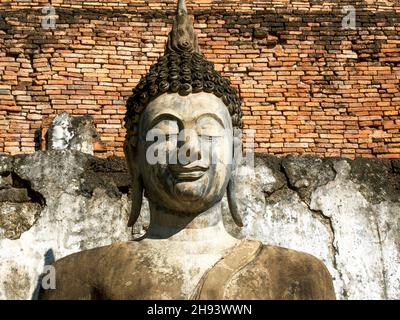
{"points": [[303, 92]]}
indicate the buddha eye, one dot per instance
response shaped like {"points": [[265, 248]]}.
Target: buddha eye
{"points": [[168, 127], [171, 136], [208, 128], [210, 132], [208, 138]]}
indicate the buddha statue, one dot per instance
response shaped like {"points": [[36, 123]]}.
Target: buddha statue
{"points": [[181, 122]]}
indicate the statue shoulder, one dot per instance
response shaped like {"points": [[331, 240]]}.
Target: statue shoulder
{"points": [[78, 275], [297, 275], [93, 256]]}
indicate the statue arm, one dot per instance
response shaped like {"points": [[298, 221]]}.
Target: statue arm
{"points": [[307, 278], [73, 279], [295, 275], [320, 280]]}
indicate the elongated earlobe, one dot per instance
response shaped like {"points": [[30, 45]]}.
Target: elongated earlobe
{"points": [[137, 198], [231, 189], [137, 184], [232, 203]]}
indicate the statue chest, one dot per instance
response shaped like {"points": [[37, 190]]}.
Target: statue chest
{"points": [[158, 276], [166, 273]]}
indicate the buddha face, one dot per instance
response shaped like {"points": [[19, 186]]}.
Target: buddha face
{"points": [[185, 151]]}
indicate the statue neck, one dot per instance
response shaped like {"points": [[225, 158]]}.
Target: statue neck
{"points": [[204, 227]]}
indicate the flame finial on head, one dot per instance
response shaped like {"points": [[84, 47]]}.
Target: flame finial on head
{"points": [[182, 36], [184, 70], [181, 8]]}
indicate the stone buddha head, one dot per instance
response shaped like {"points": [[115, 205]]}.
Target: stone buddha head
{"points": [[180, 124]]}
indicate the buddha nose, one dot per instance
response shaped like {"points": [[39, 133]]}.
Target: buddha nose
{"points": [[191, 147]]}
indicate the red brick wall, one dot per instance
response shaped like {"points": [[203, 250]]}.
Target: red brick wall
{"points": [[308, 85]]}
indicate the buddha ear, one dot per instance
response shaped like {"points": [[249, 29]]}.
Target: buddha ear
{"points": [[231, 189], [136, 180]]}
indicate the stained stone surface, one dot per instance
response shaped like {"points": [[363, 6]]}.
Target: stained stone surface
{"points": [[346, 213], [78, 209], [73, 133]]}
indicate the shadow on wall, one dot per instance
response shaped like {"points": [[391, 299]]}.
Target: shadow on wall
{"points": [[49, 259]]}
